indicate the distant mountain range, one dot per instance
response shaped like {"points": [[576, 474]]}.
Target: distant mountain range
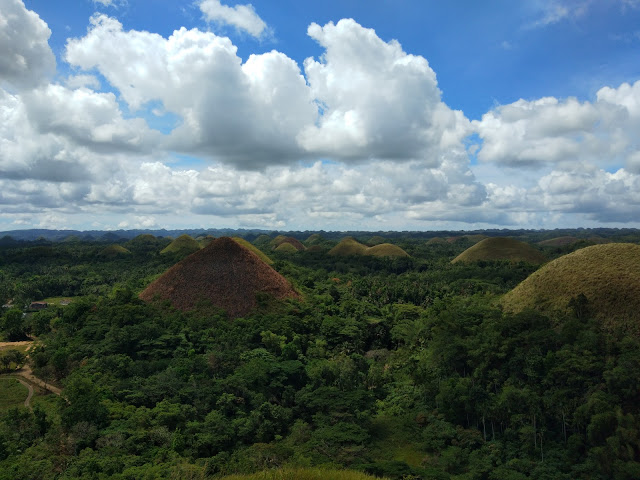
{"points": [[116, 235]]}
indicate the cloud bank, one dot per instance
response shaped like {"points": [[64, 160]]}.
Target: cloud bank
{"points": [[181, 131]]}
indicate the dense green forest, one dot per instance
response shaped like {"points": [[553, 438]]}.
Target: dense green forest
{"points": [[404, 368]]}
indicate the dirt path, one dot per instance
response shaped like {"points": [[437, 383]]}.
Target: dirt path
{"points": [[27, 402], [26, 372], [16, 344]]}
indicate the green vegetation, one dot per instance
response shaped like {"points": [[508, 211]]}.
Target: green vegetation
{"points": [[559, 241], [387, 367], [302, 474], [287, 248], [314, 239], [182, 246], [348, 246], [114, 251], [386, 250], [499, 249], [376, 240], [603, 279], [436, 240], [12, 393], [254, 249]]}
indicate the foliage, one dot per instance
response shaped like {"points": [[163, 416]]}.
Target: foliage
{"points": [[404, 368]]}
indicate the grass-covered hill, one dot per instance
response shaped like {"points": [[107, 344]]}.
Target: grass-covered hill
{"points": [[559, 241], [466, 238], [386, 250], [294, 242], [183, 245], [314, 239], [376, 240], [114, 251], [607, 275], [286, 247], [203, 241], [254, 249], [436, 241], [348, 246], [224, 273], [500, 248]]}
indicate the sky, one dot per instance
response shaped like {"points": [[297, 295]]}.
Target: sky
{"points": [[306, 115]]}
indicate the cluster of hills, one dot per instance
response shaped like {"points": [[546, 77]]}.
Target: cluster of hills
{"points": [[230, 273]]}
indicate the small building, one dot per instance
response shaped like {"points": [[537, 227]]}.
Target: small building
{"points": [[38, 305]]}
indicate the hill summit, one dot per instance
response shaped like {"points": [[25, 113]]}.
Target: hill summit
{"points": [[501, 248], [225, 273], [607, 276]]}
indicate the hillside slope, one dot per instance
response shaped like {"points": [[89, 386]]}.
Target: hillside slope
{"points": [[608, 275]]}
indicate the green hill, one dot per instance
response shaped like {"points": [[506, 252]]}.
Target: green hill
{"points": [[114, 251], [280, 239], [437, 241], [143, 239], [314, 239], [254, 249], [559, 241], [376, 240], [286, 247], [204, 241], [348, 246], [183, 245], [501, 248], [607, 275], [386, 250]]}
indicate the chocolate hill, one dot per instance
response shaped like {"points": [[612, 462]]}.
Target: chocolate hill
{"points": [[501, 248], [348, 246], [607, 275], [297, 244], [225, 273], [386, 250]]}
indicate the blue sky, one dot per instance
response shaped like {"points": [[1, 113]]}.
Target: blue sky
{"points": [[412, 115], [483, 52]]}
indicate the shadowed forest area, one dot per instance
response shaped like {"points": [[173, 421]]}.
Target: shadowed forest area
{"points": [[395, 363]]}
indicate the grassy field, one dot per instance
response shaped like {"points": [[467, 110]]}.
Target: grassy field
{"points": [[12, 393], [21, 348], [302, 474], [56, 300]]}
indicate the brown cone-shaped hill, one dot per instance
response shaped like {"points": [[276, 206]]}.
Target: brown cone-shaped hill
{"points": [[297, 244], [501, 248], [607, 275], [226, 273]]}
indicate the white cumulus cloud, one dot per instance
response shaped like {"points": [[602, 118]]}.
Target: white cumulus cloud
{"points": [[242, 17], [26, 60]]}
